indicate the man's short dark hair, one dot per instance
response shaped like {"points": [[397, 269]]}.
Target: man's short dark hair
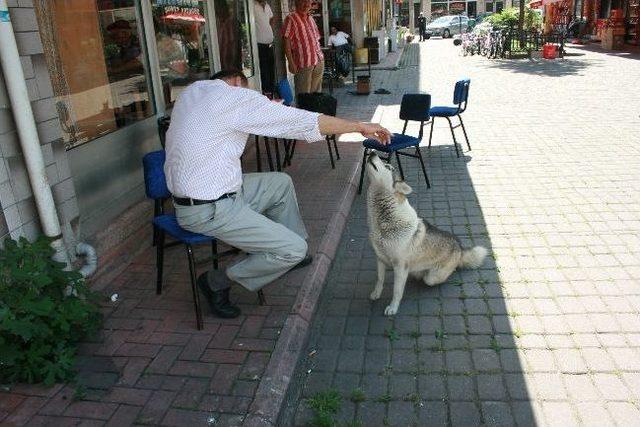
{"points": [[230, 74]]}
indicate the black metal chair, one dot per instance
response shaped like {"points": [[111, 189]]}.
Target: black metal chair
{"points": [[414, 107], [324, 104]]}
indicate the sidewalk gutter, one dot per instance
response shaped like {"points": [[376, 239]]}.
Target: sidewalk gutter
{"points": [[271, 392]]}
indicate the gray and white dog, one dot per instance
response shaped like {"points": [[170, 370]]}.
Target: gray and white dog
{"points": [[406, 243]]}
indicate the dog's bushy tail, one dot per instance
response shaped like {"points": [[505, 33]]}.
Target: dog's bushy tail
{"points": [[473, 258]]}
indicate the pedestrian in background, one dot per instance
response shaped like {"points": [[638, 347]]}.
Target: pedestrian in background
{"points": [[264, 36], [302, 48], [422, 26]]}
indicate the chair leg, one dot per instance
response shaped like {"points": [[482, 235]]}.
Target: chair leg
{"points": [[258, 158], [159, 259], [424, 170], [214, 253], [433, 119], [278, 164], [194, 289], [399, 165], [268, 150], [335, 146], [364, 160], [261, 299], [465, 132], [328, 139], [292, 150], [157, 210], [453, 134]]}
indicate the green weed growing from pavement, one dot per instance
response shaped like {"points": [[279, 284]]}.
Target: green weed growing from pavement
{"points": [[357, 396], [392, 334], [325, 404], [385, 398], [495, 345]]}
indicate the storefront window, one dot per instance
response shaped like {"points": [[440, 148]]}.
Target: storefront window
{"points": [[94, 52], [438, 10], [457, 8], [340, 15], [234, 35], [183, 46]]}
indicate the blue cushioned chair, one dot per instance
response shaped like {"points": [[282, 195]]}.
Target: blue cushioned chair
{"points": [[460, 98], [414, 107], [163, 224]]}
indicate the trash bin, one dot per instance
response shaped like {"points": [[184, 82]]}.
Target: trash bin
{"points": [[549, 51], [363, 86]]}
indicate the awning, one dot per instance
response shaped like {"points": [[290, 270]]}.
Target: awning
{"points": [[185, 17], [537, 4]]}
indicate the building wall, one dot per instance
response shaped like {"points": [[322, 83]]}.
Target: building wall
{"points": [[19, 216]]}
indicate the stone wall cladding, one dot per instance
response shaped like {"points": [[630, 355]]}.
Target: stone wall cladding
{"points": [[18, 213]]}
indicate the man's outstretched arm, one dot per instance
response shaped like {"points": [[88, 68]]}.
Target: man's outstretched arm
{"points": [[332, 125]]}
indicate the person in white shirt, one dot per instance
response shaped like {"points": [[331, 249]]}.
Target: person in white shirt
{"points": [[338, 38], [340, 41], [257, 212], [264, 37]]}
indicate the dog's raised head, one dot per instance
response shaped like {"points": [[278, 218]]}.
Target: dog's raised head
{"points": [[382, 176]]}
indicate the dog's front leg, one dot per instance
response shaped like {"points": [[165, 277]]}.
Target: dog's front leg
{"points": [[400, 274], [377, 290]]}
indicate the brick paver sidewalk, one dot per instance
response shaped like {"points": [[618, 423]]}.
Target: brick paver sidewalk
{"points": [[149, 365], [547, 331]]}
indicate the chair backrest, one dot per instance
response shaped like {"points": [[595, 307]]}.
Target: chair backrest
{"points": [[318, 102], [461, 94], [415, 107], [163, 126], [284, 89], [155, 181]]}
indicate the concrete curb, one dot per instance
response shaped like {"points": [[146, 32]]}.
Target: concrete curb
{"points": [[266, 406]]}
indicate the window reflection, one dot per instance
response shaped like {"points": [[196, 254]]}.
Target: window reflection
{"points": [[97, 67], [183, 48], [234, 35]]}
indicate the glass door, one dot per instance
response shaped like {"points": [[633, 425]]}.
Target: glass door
{"points": [[182, 39], [236, 42]]}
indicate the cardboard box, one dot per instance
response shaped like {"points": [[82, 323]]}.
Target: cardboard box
{"points": [[611, 40]]}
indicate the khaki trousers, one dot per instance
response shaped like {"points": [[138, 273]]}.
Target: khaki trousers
{"points": [[262, 219], [308, 80]]}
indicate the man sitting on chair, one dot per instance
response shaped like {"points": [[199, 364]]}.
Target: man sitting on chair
{"points": [[257, 212]]}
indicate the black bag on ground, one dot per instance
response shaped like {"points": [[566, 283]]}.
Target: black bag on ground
{"points": [[318, 102]]}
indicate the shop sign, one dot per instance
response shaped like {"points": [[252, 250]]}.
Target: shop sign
{"points": [[456, 7]]}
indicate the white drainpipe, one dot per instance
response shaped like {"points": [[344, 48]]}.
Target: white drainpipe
{"points": [[26, 126]]}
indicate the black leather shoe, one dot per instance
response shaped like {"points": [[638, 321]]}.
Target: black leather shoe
{"points": [[218, 300], [308, 259]]}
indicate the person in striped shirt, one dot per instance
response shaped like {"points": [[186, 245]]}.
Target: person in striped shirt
{"points": [[302, 48]]}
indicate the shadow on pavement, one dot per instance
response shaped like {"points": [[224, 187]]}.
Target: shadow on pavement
{"points": [[448, 357], [555, 68]]}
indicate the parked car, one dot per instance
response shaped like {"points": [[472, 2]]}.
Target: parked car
{"points": [[447, 26], [482, 16]]}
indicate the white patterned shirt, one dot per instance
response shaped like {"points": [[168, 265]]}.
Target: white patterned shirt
{"points": [[210, 124]]}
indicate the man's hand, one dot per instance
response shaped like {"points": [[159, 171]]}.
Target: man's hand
{"points": [[292, 67], [375, 131]]}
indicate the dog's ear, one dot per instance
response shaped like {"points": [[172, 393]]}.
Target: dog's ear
{"points": [[402, 187]]}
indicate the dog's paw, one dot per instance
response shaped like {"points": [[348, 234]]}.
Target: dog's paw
{"points": [[375, 294], [391, 310]]}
